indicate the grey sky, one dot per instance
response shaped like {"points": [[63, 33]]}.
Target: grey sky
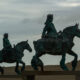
{"points": [[23, 14], [24, 19]]}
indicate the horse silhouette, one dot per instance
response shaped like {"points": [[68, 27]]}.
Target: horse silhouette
{"points": [[15, 56], [59, 46]]}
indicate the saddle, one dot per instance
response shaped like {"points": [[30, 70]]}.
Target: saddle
{"points": [[55, 43], [7, 53]]}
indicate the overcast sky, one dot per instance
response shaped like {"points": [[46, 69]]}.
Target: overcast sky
{"points": [[24, 19]]}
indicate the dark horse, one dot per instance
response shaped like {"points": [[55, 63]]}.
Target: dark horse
{"points": [[15, 56], [51, 46]]}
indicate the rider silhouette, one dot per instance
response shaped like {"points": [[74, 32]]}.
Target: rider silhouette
{"points": [[6, 44], [49, 29]]}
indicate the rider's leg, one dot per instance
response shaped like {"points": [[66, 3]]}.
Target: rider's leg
{"points": [[62, 62], [74, 62]]}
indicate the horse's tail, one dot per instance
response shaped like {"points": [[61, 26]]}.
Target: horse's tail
{"points": [[1, 56], [35, 44]]}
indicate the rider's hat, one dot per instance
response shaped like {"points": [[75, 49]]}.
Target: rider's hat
{"points": [[6, 35], [49, 16]]}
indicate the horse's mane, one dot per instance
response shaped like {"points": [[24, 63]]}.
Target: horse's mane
{"points": [[20, 43], [68, 29]]}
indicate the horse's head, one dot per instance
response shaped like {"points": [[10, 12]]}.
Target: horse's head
{"points": [[72, 31], [27, 46], [24, 45], [77, 30]]}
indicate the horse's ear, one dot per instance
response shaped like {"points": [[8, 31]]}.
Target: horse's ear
{"points": [[77, 24], [27, 41]]}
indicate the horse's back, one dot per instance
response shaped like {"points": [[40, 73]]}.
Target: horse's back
{"points": [[9, 57], [46, 44]]}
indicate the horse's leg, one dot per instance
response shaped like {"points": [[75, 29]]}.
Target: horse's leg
{"points": [[40, 63], [1, 60], [23, 67], [1, 70], [35, 62], [62, 62], [16, 68], [74, 62]]}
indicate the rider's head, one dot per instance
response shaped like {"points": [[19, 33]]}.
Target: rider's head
{"points": [[6, 35], [50, 17]]}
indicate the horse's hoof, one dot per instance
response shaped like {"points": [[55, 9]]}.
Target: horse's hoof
{"points": [[73, 69], [42, 69], [35, 68], [18, 72], [22, 70], [74, 64]]}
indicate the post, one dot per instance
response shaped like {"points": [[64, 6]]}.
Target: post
{"points": [[77, 77], [29, 77]]}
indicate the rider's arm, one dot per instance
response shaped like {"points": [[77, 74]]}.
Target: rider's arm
{"points": [[53, 28], [44, 31], [4, 43], [8, 42]]}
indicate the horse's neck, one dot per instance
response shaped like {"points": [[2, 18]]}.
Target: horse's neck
{"points": [[69, 36], [69, 32], [19, 48]]}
